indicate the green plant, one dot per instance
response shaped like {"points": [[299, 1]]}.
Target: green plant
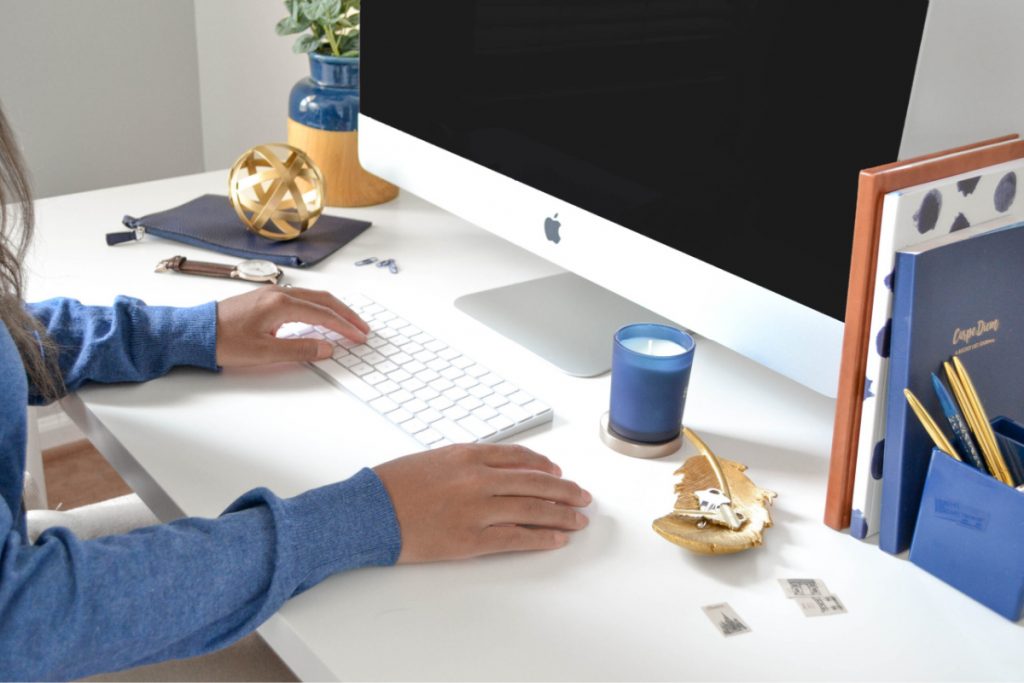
{"points": [[333, 26]]}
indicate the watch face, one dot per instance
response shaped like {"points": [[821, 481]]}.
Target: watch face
{"points": [[257, 269]]}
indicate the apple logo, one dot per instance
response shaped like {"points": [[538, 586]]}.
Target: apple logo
{"points": [[551, 229]]}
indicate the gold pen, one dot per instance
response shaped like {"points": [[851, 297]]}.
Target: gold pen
{"points": [[929, 425], [998, 465], [970, 416]]}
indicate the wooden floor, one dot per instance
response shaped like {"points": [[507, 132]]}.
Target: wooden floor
{"points": [[76, 474]]}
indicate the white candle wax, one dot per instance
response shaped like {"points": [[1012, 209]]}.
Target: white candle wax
{"points": [[653, 347]]}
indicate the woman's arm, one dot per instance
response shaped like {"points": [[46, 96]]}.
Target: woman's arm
{"points": [[70, 608]]}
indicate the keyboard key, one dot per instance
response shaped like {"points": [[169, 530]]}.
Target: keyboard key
{"points": [[412, 385], [424, 338], [438, 365], [424, 393], [350, 360], [500, 422], [361, 369], [477, 371], [388, 350], [423, 355], [520, 398], [429, 437], [453, 432], [373, 358], [470, 403], [388, 387], [466, 382], [436, 346], [491, 380], [456, 393], [374, 378], [387, 367], [362, 350], [485, 412], [455, 413], [441, 384], [412, 348], [400, 396], [399, 375], [450, 372], [340, 351], [416, 405], [385, 316], [495, 400], [461, 362], [344, 377], [430, 415], [375, 342], [477, 427], [427, 375], [413, 426], [440, 403], [400, 358], [480, 391], [413, 366], [383, 405], [505, 388], [514, 412], [386, 333], [399, 416]]}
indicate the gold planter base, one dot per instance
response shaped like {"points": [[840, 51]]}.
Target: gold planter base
{"points": [[346, 183]]}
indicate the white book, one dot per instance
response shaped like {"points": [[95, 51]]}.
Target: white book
{"points": [[986, 197]]}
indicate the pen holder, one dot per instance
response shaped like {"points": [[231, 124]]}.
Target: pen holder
{"points": [[970, 528]]}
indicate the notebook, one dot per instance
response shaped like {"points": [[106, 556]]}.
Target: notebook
{"points": [[960, 295]]}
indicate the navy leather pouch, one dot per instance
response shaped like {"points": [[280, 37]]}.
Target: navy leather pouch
{"points": [[210, 222]]}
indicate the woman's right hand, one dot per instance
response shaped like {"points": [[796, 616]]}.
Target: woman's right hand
{"points": [[476, 499]]}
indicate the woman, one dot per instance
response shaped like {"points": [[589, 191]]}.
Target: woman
{"points": [[70, 608]]}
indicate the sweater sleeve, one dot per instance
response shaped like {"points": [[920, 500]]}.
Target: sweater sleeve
{"points": [[71, 608], [126, 342]]}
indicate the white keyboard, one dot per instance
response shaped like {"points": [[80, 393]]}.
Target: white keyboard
{"points": [[428, 389]]}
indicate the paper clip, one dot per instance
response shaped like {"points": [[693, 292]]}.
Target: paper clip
{"points": [[385, 263], [366, 261]]}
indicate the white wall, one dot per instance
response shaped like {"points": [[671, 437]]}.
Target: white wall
{"points": [[245, 74], [103, 92], [970, 76]]}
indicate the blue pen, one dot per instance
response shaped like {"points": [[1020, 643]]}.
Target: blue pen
{"points": [[959, 425]]}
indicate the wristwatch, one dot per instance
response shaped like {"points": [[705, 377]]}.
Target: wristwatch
{"points": [[254, 270]]}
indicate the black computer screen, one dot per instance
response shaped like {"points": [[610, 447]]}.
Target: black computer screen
{"points": [[732, 130]]}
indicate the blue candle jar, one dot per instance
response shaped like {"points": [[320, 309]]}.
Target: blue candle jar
{"points": [[650, 375]]}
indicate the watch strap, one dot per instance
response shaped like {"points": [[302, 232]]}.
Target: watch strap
{"points": [[182, 264]]}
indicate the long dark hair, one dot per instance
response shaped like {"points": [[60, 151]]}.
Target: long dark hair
{"points": [[17, 218]]}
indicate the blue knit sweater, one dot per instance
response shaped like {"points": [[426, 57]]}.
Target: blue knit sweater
{"points": [[70, 608]]}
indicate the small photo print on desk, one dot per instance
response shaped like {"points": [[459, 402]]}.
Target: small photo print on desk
{"points": [[821, 607], [803, 588], [725, 619]]}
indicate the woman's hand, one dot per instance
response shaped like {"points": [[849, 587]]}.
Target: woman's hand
{"points": [[247, 325], [476, 499]]}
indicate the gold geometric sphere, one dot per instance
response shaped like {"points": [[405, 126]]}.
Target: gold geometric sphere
{"points": [[276, 190]]}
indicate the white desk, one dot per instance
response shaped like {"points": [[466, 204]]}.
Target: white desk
{"points": [[619, 602]]}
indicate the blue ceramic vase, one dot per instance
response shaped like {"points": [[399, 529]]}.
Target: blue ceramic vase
{"points": [[328, 99]]}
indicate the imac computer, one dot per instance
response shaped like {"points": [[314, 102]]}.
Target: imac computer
{"points": [[698, 158]]}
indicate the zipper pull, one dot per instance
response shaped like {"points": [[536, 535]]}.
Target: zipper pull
{"points": [[135, 232]]}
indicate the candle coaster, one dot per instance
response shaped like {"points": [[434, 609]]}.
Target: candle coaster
{"points": [[635, 449]]}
